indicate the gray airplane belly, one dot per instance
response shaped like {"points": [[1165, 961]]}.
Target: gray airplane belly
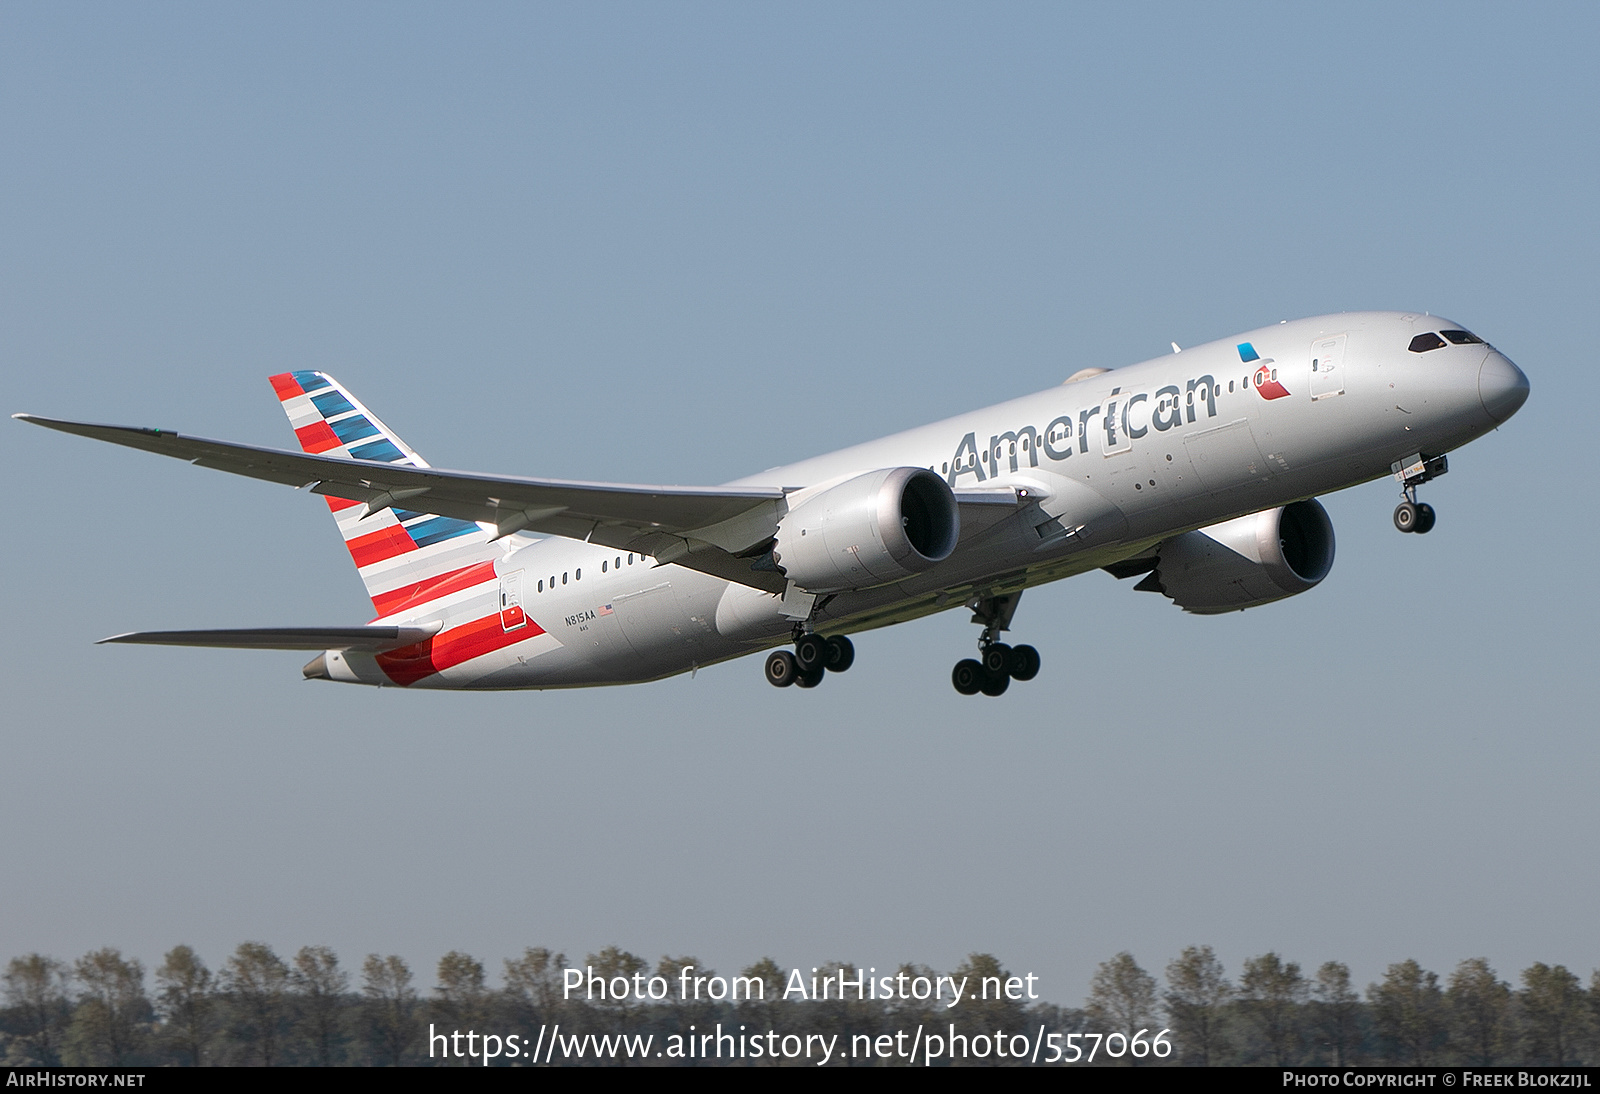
{"points": [[670, 624]]}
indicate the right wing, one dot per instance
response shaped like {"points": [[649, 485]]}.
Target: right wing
{"points": [[715, 530]]}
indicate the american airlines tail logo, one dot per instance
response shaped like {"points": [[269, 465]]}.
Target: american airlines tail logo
{"points": [[1266, 377]]}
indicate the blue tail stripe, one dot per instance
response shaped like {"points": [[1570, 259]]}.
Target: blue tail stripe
{"points": [[353, 429], [310, 381], [438, 529], [381, 450], [331, 404]]}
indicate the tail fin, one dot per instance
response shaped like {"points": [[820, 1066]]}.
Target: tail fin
{"points": [[405, 557]]}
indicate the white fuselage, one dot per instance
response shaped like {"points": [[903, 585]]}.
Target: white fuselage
{"points": [[1111, 464]]}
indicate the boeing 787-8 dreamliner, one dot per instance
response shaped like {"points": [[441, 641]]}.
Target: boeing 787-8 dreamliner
{"points": [[1197, 472]]}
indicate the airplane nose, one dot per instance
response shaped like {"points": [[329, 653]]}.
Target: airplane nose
{"points": [[1502, 386]]}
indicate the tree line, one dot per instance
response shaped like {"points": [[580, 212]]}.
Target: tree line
{"points": [[308, 1009]]}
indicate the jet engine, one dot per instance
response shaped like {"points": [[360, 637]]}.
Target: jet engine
{"points": [[870, 530], [1247, 561]]}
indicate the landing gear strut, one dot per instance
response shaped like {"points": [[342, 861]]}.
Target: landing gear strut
{"points": [[1411, 515], [997, 664], [813, 658]]}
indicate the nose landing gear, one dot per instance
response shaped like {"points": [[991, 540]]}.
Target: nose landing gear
{"points": [[1411, 515], [813, 658], [1414, 516], [998, 664]]}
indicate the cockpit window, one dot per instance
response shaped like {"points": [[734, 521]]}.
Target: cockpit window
{"points": [[1462, 337], [1422, 343]]}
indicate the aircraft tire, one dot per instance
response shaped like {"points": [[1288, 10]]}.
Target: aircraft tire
{"points": [[1406, 517], [811, 653], [1023, 664], [809, 679], [967, 676], [781, 669], [1425, 518], [995, 683], [841, 653], [997, 660]]}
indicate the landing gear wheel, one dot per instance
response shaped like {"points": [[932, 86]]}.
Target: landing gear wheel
{"points": [[811, 653], [1407, 516], [841, 654], [809, 679], [995, 684], [967, 676], [1425, 518], [997, 661], [781, 669], [1023, 664]]}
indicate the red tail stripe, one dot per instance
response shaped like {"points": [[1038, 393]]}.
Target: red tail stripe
{"points": [[432, 588], [317, 437], [449, 648], [377, 546], [338, 505], [284, 385]]}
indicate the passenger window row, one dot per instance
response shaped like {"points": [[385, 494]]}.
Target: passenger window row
{"points": [[577, 575]]}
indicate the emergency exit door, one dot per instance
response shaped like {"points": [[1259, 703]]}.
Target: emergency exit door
{"points": [[511, 613]]}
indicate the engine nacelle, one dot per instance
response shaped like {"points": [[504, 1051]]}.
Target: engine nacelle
{"points": [[1247, 561], [870, 530]]}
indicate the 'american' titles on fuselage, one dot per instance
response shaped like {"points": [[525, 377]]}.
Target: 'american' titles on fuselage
{"points": [[1123, 419]]}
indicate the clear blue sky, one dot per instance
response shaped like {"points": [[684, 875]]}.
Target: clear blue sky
{"points": [[686, 243]]}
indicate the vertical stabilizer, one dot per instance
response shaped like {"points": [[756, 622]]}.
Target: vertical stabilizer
{"points": [[405, 557]]}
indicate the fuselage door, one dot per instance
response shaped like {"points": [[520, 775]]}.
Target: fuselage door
{"points": [[511, 613], [1327, 367], [1114, 438]]}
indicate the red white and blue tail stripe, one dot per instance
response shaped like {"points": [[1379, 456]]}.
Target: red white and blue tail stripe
{"points": [[406, 558]]}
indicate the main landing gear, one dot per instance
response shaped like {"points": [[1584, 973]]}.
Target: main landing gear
{"points": [[1411, 515], [813, 658], [997, 664]]}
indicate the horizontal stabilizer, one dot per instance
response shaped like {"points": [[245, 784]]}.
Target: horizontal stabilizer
{"points": [[370, 639]]}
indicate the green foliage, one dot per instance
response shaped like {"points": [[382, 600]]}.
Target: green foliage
{"points": [[321, 986], [112, 1019], [1408, 1013], [1336, 1014], [533, 984], [1198, 993], [1122, 997], [389, 1012], [255, 979], [188, 1006], [38, 1008], [1479, 1006], [260, 1009], [1273, 993], [1553, 1014]]}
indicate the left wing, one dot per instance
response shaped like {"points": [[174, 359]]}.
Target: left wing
{"points": [[374, 639], [717, 531]]}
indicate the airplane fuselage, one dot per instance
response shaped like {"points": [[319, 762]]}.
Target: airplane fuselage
{"points": [[1093, 471]]}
